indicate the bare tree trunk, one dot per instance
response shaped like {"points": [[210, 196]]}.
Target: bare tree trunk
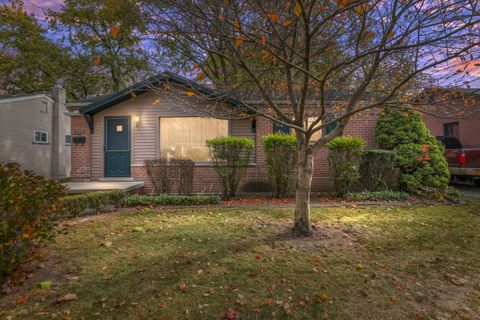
{"points": [[303, 225]]}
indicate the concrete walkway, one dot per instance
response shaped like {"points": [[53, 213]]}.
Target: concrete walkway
{"points": [[83, 187]]}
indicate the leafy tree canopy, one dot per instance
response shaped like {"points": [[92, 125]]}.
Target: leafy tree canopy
{"points": [[109, 32]]}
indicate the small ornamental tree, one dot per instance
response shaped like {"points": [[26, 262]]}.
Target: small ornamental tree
{"points": [[280, 151], [27, 205], [376, 168], [230, 157], [310, 65], [344, 156], [419, 155]]}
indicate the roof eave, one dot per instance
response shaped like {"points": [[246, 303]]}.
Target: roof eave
{"points": [[142, 87]]}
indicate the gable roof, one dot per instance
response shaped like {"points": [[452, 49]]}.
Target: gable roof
{"points": [[103, 102]]}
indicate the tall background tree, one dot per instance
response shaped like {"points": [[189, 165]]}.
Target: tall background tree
{"points": [[366, 54], [31, 61], [108, 31], [27, 57]]}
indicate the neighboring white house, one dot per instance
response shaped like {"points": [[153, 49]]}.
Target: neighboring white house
{"points": [[35, 132]]}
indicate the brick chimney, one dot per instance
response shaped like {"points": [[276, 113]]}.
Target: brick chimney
{"points": [[60, 129]]}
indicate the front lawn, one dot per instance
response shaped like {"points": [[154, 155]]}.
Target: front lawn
{"points": [[420, 262]]}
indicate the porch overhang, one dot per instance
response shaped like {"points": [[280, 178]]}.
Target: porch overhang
{"points": [[139, 88]]}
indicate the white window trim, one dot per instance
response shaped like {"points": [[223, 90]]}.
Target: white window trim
{"points": [[35, 137]]}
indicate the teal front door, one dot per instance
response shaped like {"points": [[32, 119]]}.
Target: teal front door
{"points": [[117, 147]]}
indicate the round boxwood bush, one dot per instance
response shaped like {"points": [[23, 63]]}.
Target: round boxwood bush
{"points": [[280, 151], [344, 156], [419, 155]]}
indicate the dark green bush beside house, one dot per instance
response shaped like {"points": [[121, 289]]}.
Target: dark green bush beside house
{"points": [[28, 204], [230, 157], [419, 155], [75, 204], [376, 168], [280, 152], [344, 156], [163, 200]]}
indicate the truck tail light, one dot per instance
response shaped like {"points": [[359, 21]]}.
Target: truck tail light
{"points": [[462, 159]]}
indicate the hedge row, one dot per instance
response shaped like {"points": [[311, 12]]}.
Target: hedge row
{"points": [[75, 204], [167, 199], [387, 195]]}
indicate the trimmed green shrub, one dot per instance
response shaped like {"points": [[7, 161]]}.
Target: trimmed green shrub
{"points": [[376, 168], [419, 155], [385, 195], [145, 200], [75, 204], [280, 150], [230, 157], [344, 156], [28, 203]]}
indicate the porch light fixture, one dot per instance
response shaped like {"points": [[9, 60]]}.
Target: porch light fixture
{"points": [[137, 121]]}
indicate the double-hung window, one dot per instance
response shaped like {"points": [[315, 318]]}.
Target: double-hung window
{"points": [[40, 137]]}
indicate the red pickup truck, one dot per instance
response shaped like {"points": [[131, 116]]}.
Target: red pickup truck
{"points": [[464, 164]]}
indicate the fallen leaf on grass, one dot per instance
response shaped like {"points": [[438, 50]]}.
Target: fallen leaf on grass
{"points": [[241, 300], [182, 286], [394, 298], [230, 314], [302, 303], [286, 308], [21, 299], [321, 298], [268, 302], [67, 297], [107, 244], [456, 280], [42, 285]]}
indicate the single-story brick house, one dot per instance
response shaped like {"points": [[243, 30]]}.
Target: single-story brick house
{"points": [[113, 135]]}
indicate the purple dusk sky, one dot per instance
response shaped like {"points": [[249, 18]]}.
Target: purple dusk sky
{"points": [[37, 7]]}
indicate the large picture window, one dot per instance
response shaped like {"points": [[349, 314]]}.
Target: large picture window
{"points": [[185, 138]]}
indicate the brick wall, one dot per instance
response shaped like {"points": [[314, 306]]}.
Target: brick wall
{"points": [[451, 106], [469, 129], [80, 163]]}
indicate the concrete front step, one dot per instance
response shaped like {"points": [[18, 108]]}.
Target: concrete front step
{"points": [[84, 187], [119, 179]]}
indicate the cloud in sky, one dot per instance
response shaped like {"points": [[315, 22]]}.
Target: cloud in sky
{"points": [[37, 7]]}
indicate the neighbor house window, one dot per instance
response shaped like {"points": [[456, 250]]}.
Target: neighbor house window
{"points": [[40, 137], [332, 126], [451, 129], [280, 128], [68, 139], [185, 138]]}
